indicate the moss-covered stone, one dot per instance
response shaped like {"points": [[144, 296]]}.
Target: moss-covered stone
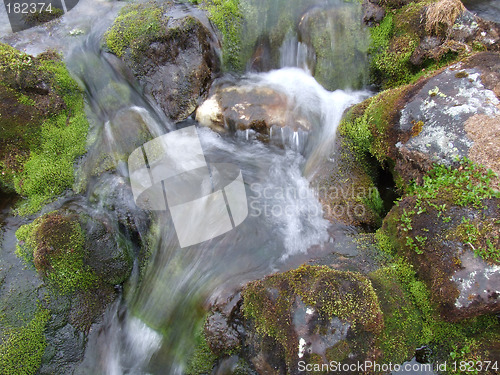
{"points": [[369, 127], [172, 54], [55, 244], [447, 228], [418, 37], [74, 252], [272, 304], [43, 126]]}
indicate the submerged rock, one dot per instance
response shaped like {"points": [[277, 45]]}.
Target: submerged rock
{"points": [[250, 107], [340, 44], [171, 53]]}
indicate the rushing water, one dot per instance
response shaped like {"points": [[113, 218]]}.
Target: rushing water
{"points": [[151, 328]]}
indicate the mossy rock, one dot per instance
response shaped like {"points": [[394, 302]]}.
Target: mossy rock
{"points": [[448, 229], [22, 348], [288, 309], [43, 126], [73, 252], [173, 57], [54, 243]]}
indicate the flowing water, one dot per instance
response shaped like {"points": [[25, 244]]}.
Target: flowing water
{"points": [[151, 329]]}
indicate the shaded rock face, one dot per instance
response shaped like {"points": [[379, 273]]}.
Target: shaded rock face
{"points": [[346, 191], [175, 61], [440, 121], [250, 107], [461, 283]]}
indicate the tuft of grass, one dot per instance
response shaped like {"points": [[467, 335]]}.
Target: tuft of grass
{"points": [[441, 16]]}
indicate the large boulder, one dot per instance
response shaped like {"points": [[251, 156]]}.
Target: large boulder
{"points": [[441, 121], [313, 315], [338, 44], [435, 120], [171, 53]]}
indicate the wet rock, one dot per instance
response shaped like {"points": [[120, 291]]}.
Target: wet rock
{"points": [[175, 59], [65, 348], [453, 252], [221, 337], [250, 107], [372, 12], [337, 38], [109, 256], [442, 118], [313, 313]]}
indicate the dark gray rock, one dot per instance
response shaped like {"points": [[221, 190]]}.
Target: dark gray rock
{"points": [[109, 254], [372, 13], [221, 336]]}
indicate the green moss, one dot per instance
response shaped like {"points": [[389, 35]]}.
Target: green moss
{"points": [[54, 243], [40, 149], [465, 185], [346, 295], [22, 348], [395, 40], [402, 319], [367, 125], [202, 361], [136, 27], [227, 17], [411, 320], [384, 242]]}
